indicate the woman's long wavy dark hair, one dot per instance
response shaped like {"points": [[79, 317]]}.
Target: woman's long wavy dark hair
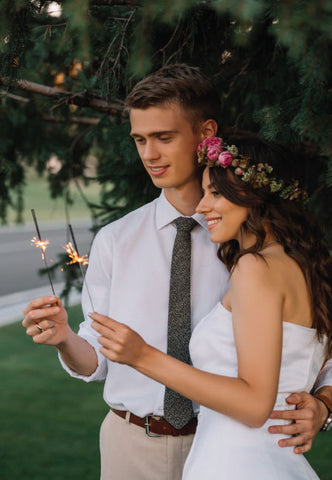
{"points": [[290, 222]]}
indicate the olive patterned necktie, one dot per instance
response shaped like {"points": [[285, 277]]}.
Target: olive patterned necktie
{"points": [[178, 410]]}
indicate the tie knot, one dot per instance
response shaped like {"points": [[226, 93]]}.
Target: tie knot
{"points": [[185, 224]]}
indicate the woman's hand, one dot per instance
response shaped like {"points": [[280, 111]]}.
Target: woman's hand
{"points": [[119, 342], [46, 321]]}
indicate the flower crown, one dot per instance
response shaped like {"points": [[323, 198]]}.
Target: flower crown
{"points": [[214, 153]]}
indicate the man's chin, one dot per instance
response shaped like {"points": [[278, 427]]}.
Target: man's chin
{"points": [[158, 182]]}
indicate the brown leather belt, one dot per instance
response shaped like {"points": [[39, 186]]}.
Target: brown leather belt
{"points": [[157, 426]]}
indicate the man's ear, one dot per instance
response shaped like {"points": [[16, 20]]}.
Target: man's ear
{"points": [[209, 128]]}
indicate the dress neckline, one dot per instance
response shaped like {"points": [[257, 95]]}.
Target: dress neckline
{"points": [[311, 329]]}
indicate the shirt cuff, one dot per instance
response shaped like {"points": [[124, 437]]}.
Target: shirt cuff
{"points": [[99, 375], [324, 378]]}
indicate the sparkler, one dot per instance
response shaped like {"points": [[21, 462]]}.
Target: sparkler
{"points": [[74, 256], [42, 244]]}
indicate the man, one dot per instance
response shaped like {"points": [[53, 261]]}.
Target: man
{"points": [[171, 112]]}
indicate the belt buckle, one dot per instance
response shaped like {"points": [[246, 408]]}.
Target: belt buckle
{"points": [[147, 428]]}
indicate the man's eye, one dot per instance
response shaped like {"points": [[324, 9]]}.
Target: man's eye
{"points": [[139, 140], [164, 139]]}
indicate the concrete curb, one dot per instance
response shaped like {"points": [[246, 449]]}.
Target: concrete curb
{"points": [[12, 305], [44, 224]]}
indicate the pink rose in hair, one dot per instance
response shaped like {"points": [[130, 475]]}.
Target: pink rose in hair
{"points": [[212, 153], [225, 159], [210, 142], [213, 142]]}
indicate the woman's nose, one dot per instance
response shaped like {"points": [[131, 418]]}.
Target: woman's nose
{"points": [[202, 207]]}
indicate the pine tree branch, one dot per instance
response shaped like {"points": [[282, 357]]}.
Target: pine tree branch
{"points": [[83, 99], [111, 3], [91, 121], [83, 120], [18, 98]]}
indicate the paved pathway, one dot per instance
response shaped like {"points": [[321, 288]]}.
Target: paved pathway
{"points": [[20, 261], [12, 305], [19, 264]]}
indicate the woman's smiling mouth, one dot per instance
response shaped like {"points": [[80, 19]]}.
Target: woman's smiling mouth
{"points": [[211, 222]]}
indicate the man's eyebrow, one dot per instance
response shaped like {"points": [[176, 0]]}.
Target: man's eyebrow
{"points": [[154, 134]]}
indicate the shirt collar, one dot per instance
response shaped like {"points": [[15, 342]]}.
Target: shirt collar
{"points": [[166, 213]]}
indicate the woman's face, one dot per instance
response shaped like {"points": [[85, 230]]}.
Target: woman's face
{"points": [[223, 217]]}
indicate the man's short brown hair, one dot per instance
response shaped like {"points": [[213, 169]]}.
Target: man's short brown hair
{"points": [[181, 84]]}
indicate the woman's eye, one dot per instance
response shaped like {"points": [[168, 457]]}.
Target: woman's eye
{"points": [[215, 193]]}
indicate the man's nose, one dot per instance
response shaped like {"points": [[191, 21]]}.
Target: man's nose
{"points": [[150, 152]]}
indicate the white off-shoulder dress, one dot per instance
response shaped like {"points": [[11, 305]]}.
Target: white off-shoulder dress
{"points": [[226, 449]]}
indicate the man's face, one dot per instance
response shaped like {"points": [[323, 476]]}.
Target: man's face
{"points": [[166, 144]]}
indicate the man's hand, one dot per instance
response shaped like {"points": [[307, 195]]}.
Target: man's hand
{"points": [[46, 321], [308, 419]]}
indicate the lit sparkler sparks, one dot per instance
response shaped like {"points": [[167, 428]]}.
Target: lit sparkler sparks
{"points": [[74, 256], [42, 244]]}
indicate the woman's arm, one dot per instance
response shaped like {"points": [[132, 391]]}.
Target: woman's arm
{"points": [[257, 318]]}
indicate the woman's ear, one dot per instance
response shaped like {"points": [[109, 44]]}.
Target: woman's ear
{"points": [[209, 129]]}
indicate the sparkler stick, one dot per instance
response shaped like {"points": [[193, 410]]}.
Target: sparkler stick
{"points": [[75, 258], [38, 242]]}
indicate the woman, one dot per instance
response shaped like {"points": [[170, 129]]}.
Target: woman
{"points": [[272, 331]]}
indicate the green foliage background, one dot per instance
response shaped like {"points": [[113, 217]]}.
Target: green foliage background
{"points": [[63, 80]]}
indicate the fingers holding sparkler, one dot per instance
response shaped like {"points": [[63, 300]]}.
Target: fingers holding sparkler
{"points": [[46, 321]]}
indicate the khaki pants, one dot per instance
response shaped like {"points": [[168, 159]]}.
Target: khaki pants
{"points": [[127, 453]]}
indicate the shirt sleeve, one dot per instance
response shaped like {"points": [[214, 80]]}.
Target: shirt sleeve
{"points": [[324, 378], [95, 298]]}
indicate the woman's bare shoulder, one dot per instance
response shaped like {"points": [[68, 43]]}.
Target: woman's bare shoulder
{"points": [[256, 271], [255, 284], [251, 263]]}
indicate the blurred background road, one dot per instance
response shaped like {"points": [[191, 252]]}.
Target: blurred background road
{"points": [[20, 262]]}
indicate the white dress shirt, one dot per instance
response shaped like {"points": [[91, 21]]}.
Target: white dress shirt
{"points": [[324, 379], [128, 279]]}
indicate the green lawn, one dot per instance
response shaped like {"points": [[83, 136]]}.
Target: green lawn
{"points": [[37, 196], [50, 422]]}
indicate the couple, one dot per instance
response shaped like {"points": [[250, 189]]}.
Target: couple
{"points": [[255, 329]]}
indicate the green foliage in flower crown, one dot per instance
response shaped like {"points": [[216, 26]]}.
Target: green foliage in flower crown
{"points": [[271, 62]]}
